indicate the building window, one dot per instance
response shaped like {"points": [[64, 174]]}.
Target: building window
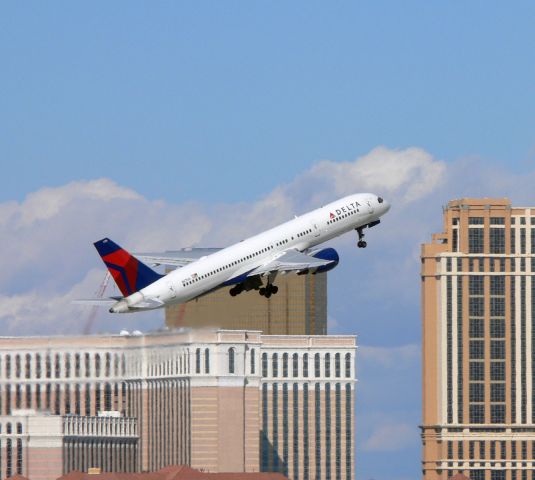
{"points": [[497, 240], [231, 367], [275, 426], [285, 433], [57, 398], [285, 365], [265, 422], [328, 438], [497, 371], [77, 399], [28, 366], [97, 365], [327, 365], [305, 365], [295, 401], [264, 365], [77, 365], [38, 365], [207, 360], [477, 413], [67, 398], [275, 365], [477, 349], [475, 221], [87, 365], [87, 399], [306, 458], [97, 398], [67, 365], [295, 365], [477, 392], [337, 365], [348, 365], [317, 420], [108, 365], [475, 240], [17, 366], [9, 457], [107, 397], [198, 360], [317, 371], [253, 360], [348, 424]]}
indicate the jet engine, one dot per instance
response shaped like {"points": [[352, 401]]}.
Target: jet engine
{"points": [[326, 254]]}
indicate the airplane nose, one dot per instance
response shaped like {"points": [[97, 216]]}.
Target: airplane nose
{"points": [[383, 205]]}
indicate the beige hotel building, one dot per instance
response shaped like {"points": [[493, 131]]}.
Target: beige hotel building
{"points": [[216, 400], [478, 313]]}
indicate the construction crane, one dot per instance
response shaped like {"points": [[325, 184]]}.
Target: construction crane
{"points": [[94, 309]]}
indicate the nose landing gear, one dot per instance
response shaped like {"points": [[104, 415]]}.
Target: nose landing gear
{"points": [[361, 243]]}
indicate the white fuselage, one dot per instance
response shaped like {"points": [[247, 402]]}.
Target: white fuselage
{"points": [[301, 234]]}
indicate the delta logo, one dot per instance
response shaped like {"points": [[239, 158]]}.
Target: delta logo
{"points": [[349, 208], [331, 215]]}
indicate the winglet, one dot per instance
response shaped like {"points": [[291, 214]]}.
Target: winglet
{"points": [[129, 273]]}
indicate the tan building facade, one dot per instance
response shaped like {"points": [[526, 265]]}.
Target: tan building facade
{"points": [[299, 308], [217, 400], [478, 314]]}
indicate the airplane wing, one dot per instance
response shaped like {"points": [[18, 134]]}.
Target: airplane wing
{"points": [[175, 258], [290, 261]]}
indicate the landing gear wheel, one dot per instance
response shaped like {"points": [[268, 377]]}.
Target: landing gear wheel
{"points": [[232, 292], [268, 294], [361, 243], [262, 291], [274, 289]]}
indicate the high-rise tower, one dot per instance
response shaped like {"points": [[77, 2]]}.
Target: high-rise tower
{"points": [[478, 314]]}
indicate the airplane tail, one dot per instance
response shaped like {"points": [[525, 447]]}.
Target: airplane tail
{"points": [[129, 273]]}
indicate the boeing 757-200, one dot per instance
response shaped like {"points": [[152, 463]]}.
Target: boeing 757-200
{"points": [[251, 264]]}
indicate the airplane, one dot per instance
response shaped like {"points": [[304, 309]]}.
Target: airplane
{"points": [[251, 264]]}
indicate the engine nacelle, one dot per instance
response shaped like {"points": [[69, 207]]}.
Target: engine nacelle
{"points": [[326, 254]]}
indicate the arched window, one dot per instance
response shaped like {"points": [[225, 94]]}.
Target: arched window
{"points": [[77, 365], [305, 365], [87, 399], [17, 366], [348, 365], [57, 366], [231, 354], [38, 365], [67, 398], [97, 365], [206, 360], [87, 365], [107, 397], [295, 362], [28, 366], [123, 364], [317, 368], [57, 398], [253, 360], [67, 365], [18, 396], [327, 364], [97, 398], [275, 365], [48, 366], [108, 364], [38, 396], [337, 365], [77, 399], [116, 365], [285, 365], [264, 365], [198, 360], [28, 396], [8, 366]]}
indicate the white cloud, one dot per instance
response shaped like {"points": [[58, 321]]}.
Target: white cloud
{"points": [[46, 239]]}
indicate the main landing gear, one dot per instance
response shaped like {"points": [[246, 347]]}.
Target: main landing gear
{"points": [[268, 290], [361, 243], [236, 290]]}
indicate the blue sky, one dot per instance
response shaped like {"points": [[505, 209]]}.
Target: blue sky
{"points": [[207, 121]]}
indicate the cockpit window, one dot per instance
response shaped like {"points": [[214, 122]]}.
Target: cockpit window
{"points": [[380, 199]]}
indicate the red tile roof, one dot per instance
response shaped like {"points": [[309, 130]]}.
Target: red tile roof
{"points": [[174, 472]]}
